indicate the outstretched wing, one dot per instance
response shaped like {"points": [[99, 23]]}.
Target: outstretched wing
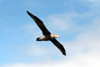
{"points": [[58, 45], [39, 23]]}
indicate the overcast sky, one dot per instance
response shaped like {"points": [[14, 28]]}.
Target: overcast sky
{"points": [[77, 22]]}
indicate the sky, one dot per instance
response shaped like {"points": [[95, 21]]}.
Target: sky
{"points": [[77, 22]]}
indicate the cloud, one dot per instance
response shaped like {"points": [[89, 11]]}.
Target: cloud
{"points": [[79, 61], [61, 21], [36, 50]]}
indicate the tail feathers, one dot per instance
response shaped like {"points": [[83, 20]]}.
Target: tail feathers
{"points": [[37, 39]]}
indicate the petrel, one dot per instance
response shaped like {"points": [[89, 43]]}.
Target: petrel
{"points": [[47, 36]]}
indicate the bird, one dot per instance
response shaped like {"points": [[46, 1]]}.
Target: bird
{"points": [[47, 35]]}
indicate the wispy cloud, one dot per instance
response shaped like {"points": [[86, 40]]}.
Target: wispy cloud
{"points": [[36, 50], [61, 21]]}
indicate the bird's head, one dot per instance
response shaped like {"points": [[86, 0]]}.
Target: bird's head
{"points": [[56, 36]]}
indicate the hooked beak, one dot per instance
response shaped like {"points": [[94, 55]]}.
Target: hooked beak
{"points": [[58, 36]]}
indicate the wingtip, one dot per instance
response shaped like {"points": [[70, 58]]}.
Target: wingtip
{"points": [[64, 53], [28, 12]]}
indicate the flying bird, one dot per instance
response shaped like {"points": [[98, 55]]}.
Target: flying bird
{"points": [[47, 36]]}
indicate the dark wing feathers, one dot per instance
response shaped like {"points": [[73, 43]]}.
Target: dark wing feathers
{"points": [[58, 45], [39, 23]]}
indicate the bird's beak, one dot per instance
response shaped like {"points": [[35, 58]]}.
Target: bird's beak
{"points": [[58, 37]]}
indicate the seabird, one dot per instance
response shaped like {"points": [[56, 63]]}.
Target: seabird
{"points": [[47, 36]]}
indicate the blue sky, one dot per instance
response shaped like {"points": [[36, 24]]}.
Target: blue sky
{"points": [[75, 21]]}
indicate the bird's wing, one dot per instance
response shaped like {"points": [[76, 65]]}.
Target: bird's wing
{"points": [[39, 23], [58, 45]]}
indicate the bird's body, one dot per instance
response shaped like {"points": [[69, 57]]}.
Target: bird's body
{"points": [[47, 36]]}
